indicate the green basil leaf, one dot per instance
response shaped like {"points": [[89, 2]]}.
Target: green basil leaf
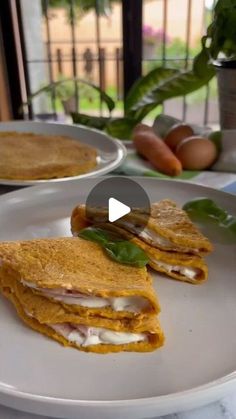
{"points": [[207, 208], [127, 253], [230, 223], [95, 234], [120, 250]]}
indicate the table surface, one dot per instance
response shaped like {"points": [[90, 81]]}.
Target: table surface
{"points": [[222, 409]]}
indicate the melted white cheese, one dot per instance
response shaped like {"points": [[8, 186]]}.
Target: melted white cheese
{"points": [[186, 271], [153, 237], [86, 336], [132, 304]]}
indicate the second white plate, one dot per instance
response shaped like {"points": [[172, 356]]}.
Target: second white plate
{"points": [[111, 152]]}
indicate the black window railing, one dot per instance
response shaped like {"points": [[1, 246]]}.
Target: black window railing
{"points": [[102, 58]]}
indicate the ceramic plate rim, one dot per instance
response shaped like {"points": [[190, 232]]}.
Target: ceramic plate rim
{"points": [[195, 391]]}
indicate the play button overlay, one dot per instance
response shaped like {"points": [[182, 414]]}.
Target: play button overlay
{"points": [[116, 210], [118, 199]]}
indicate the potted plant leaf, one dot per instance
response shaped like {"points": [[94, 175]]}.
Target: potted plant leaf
{"points": [[65, 92], [220, 44]]}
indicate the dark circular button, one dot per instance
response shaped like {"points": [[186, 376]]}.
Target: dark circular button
{"points": [[120, 201]]}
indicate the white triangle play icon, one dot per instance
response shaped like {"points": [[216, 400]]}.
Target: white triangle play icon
{"points": [[116, 209]]}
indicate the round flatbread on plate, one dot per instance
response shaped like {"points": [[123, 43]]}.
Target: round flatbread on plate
{"points": [[37, 152]]}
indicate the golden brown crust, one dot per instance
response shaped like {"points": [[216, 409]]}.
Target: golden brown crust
{"points": [[77, 264], [78, 219], [172, 222], [166, 219], [27, 156], [156, 338]]}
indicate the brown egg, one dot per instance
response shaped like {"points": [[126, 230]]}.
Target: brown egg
{"points": [[196, 153], [176, 134]]}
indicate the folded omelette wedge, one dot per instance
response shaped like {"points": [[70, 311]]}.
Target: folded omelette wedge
{"points": [[167, 227], [71, 291], [180, 266]]}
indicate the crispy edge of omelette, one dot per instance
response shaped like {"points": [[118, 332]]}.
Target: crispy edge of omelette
{"points": [[33, 258], [155, 340]]}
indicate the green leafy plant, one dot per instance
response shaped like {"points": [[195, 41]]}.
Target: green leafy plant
{"points": [[148, 93], [65, 88], [151, 90], [102, 7], [205, 208], [220, 39], [161, 84], [122, 251]]}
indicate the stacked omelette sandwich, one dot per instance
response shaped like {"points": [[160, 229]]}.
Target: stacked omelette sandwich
{"points": [[71, 291]]}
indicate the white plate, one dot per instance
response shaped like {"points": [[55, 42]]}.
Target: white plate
{"points": [[111, 152], [196, 365]]}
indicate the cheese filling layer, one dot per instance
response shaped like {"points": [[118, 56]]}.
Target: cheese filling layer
{"points": [[149, 235], [85, 336], [188, 272], [132, 304], [154, 238]]}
